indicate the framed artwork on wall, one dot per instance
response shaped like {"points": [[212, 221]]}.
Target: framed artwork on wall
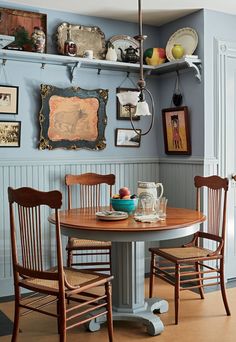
{"points": [[9, 99], [122, 112], [125, 137], [10, 132], [176, 130], [72, 118], [21, 24]]}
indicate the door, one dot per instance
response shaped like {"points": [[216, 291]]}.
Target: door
{"points": [[227, 143]]}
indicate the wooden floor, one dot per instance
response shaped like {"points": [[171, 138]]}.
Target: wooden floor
{"points": [[200, 321]]}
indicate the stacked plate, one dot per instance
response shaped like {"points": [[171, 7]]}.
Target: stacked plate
{"points": [[187, 37]]}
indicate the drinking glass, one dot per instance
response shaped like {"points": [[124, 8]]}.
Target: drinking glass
{"points": [[161, 207]]}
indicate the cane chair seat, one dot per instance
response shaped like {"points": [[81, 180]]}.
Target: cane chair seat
{"points": [[73, 278], [185, 253], [74, 243], [193, 266]]}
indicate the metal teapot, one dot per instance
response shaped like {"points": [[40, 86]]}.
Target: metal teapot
{"points": [[130, 55]]}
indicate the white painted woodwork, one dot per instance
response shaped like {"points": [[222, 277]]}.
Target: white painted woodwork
{"points": [[225, 91], [175, 174]]}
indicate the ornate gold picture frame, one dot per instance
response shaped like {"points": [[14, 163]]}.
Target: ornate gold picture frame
{"points": [[72, 118]]}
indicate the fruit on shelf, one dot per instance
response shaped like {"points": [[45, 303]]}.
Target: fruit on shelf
{"points": [[177, 51], [124, 192], [154, 56]]}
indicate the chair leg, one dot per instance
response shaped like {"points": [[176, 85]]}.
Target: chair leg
{"points": [[69, 258], [177, 286], [62, 318], [16, 316], [222, 286], [109, 311], [200, 289], [151, 279]]}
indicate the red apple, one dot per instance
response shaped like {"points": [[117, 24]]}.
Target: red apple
{"points": [[124, 192]]}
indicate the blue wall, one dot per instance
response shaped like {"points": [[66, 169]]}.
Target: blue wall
{"points": [[193, 91], [29, 76]]}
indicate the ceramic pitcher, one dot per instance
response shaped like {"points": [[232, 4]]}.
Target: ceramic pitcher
{"points": [[150, 189]]}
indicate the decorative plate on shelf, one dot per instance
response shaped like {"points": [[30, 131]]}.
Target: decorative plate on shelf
{"points": [[111, 215], [85, 38], [123, 42], [187, 37]]}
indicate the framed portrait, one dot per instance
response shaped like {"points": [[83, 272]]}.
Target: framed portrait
{"points": [[10, 132], [72, 118], [21, 24], [123, 112], [8, 99], [125, 137], [176, 130]]}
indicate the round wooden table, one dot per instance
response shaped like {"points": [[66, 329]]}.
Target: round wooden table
{"points": [[128, 238]]}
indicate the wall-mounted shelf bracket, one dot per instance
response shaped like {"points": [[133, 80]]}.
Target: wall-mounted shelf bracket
{"points": [[197, 67], [72, 70]]}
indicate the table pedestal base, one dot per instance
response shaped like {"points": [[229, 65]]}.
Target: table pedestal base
{"points": [[145, 315]]}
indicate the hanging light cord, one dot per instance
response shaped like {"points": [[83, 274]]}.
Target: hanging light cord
{"points": [[141, 83]]}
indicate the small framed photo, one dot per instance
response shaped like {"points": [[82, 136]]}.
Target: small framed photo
{"points": [[10, 132], [127, 137], [8, 99], [123, 112], [176, 130]]}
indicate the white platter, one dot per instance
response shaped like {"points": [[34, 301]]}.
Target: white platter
{"points": [[123, 42], [187, 37], [111, 215]]}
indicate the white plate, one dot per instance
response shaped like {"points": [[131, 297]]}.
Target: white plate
{"points": [[111, 215], [187, 37], [123, 42]]}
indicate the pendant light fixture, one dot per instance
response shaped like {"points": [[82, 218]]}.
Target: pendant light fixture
{"points": [[137, 98]]}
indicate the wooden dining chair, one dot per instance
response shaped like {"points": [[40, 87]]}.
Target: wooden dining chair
{"points": [[88, 193], [58, 284], [194, 266]]}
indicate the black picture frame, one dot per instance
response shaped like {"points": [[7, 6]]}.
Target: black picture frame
{"points": [[176, 130], [10, 133], [72, 118], [9, 99], [125, 137], [122, 112]]}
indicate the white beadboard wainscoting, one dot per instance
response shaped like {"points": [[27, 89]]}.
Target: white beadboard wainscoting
{"points": [[175, 174]]}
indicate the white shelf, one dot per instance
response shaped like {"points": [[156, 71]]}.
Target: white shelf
{"points": [[79, 62], [5, 40], [184, 63]]}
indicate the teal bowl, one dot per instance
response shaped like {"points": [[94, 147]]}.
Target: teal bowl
{"points": [[127, 205]]}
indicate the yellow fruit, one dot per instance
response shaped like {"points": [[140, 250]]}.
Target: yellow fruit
{"points": [[116, 196], [126, 197]]}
